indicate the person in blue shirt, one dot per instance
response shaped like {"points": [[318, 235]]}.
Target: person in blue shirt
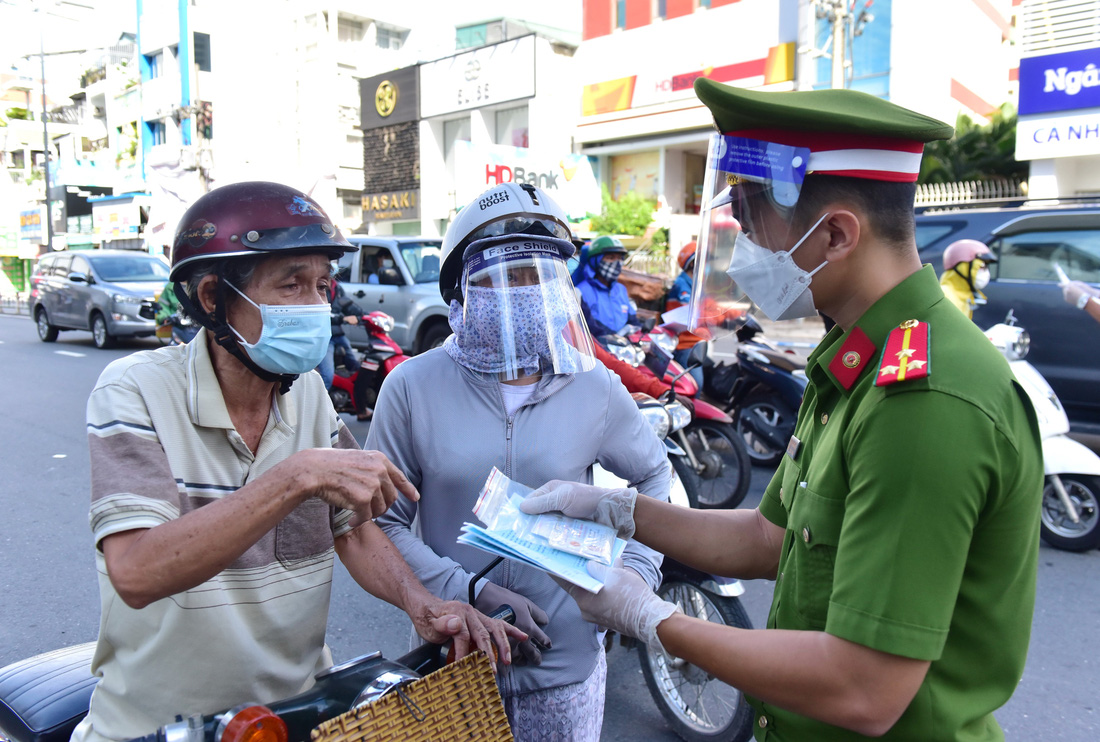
{"points": [[607, 307]]}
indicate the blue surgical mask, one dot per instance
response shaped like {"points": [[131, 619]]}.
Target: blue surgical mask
{"points": [[294, 338]]}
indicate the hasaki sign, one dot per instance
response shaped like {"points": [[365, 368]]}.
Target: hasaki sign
{"points": [[391, 206]]}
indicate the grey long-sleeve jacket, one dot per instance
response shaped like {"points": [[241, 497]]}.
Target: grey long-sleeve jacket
{"points": [[445, 427]]}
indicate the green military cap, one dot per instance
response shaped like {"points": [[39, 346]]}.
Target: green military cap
{"points": [[847, 132]]}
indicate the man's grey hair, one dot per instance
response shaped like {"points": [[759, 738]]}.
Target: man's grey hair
{"points": [[238, 271]]}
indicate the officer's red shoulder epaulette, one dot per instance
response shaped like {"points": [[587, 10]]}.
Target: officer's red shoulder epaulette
{"points": [[905, 356]]}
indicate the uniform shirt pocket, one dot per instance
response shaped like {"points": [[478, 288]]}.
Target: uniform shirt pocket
{"points": [[305, 532], [815, 523]]}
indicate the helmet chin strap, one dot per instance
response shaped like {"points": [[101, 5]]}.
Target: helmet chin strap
{"points": [[223, 333]]}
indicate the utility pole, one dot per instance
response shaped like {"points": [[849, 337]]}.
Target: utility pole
{"points": [[45, 131], [846, 25]]}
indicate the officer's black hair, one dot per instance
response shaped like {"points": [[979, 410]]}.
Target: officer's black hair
{"points": [[888, 206]]}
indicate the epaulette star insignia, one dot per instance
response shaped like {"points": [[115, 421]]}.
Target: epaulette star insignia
{"points": [[905, 356]]}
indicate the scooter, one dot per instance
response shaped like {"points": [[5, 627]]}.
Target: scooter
{"points": [[762, 390], [1070, 515], [43, 698], [178, 329], [719, 464], [357, 392], [696, 705]]}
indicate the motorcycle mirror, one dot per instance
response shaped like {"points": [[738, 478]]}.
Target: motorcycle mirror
{"points": [[698, 354]]}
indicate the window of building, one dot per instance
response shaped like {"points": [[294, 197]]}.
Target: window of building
{"points": [[659, 8], [202, 51], [389, 37], [511, 126], [470, 37], [158, 133], [455, 130], [620, 13], [156, 64], [349, 31]]}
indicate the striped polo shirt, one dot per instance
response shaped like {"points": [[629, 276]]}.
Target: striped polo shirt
{"points": [[162, 444]]}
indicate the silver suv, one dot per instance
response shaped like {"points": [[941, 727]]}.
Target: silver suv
{"points": [[110, 292], [398, 276]]}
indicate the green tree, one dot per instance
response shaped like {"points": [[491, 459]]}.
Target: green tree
{"points": [[630, 215], [976, 152]]}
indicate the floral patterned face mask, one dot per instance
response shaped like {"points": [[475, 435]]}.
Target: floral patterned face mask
{"points": [[515, 329]]}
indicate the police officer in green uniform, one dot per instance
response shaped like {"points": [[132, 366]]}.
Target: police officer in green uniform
{"points": [[902, 526]]}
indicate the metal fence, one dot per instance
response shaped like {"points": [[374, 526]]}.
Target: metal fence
{"points": [[14, 304], [968, 192]]}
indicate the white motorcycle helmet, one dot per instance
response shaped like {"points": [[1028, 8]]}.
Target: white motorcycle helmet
{"points": [[503, 210], [514, 310]]}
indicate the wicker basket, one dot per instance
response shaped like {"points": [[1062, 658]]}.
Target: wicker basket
{"points": [[457, 702]]}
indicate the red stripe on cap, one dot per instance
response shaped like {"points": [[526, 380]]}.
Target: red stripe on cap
{"points": [[816, 141], [887, 175]]}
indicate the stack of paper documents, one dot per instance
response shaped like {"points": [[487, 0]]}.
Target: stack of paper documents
{"points": [[524, 538]]}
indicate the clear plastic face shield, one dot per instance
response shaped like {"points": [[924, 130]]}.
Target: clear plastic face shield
{"points": [[520, 313], [748, 235]]}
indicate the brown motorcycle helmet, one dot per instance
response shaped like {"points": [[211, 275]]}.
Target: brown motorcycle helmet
{"points": [[252, 218]]}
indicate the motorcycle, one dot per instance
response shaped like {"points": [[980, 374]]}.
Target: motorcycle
{"points": [[716, 460], [696, 705], [762, 390], [43, 698], [1070, 515], [356, 392], [178, 329]]}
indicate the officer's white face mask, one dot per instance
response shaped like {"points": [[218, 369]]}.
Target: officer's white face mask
{"points": [[772, 279]]}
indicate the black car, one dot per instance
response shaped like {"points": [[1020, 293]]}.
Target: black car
{"points": [[1028, 241]]}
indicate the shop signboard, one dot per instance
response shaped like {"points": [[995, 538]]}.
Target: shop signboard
{"points": [[1060, 134], [389, 98], [568, 178], [115, 219], [391, 206], [32, 224], [482, 77], [1060, 82]]}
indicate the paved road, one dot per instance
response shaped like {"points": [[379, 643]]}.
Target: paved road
{"points": [[48, 594]]}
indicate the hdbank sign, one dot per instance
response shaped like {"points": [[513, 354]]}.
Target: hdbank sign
{"points": [[567, 178], [1060, 82]]}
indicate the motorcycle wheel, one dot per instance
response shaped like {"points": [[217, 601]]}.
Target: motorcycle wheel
{"points": [[341, 400], [725, 469], [1057, 528], [764, 409], [688, 478], [697, 705]]}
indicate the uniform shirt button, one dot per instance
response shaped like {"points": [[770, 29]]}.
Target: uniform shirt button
{"points": [[763, 721], [824, 417], [781, 494], [806, 534]]}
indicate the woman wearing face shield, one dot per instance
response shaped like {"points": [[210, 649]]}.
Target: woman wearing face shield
{"points": [[966, 273], [516, 387]]}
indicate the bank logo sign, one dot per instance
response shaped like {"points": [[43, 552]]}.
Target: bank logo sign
{"points": [[1060, 82]]}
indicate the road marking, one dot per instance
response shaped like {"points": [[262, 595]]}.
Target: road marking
{"points": [[722, 355], [69, 353], [60, 455]]}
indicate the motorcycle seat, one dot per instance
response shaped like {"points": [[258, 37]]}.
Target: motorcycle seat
{"points": [[43, 698]]}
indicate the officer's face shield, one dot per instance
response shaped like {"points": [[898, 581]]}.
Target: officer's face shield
{"points": [[520, 309], [750, 191]]}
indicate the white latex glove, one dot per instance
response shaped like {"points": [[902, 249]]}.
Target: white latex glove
{"points": [[625, 604], [1073, 291], [609, 507], [529, 619]]}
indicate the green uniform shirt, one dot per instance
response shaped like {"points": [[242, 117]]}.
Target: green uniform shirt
{"points": [[912, 517]]}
